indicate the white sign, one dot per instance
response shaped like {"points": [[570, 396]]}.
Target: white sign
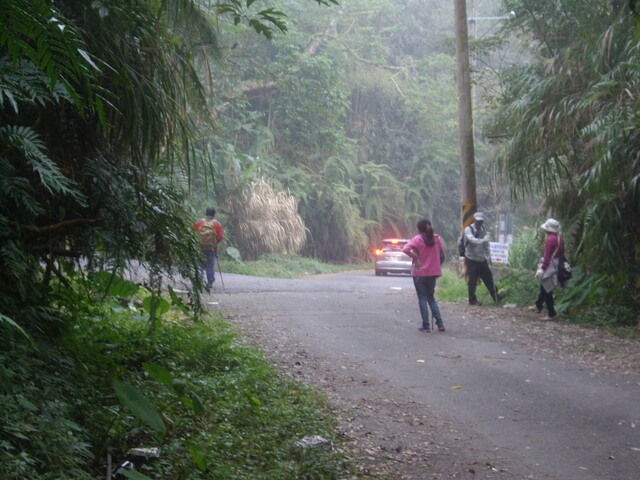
{"points": [[499, 252]]}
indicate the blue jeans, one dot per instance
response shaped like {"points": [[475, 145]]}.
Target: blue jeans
{"points": [[209, 265], [425, 288]]}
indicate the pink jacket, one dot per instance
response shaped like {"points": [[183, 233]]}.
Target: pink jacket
{"points": [[427, 257]]}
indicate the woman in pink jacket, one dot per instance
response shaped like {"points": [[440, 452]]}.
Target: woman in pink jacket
{"points": [[427, 253]]}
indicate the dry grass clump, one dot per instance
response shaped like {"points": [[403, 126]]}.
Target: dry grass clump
{"points": [[266, 221]]}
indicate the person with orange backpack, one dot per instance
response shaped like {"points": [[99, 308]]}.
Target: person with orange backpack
{"points": [[209, 236]]}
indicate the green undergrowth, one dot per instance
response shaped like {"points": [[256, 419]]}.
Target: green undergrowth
{"points": [[213, 406], [451, 286], [587, 299], [286, 266]]}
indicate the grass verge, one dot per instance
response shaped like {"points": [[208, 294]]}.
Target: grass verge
{"points": [[212, 405], [286, 266]]}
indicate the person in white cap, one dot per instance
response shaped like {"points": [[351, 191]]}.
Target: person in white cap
{"points": [[477, 256], [547, 271]]}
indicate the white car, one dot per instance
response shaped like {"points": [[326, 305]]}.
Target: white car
{"points": [[390, 259]]}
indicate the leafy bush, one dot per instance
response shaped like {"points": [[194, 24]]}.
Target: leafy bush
{"points": [[214, 407], [519, 286], [40, 435], [525, 250], [601, 300]]}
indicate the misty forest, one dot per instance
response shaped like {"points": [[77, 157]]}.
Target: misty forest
{"points": [[315, 128]]}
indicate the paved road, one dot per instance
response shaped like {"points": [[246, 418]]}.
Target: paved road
{"points": [[548, 417]]}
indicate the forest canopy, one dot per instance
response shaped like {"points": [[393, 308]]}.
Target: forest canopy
{"points": [[121, 123]]}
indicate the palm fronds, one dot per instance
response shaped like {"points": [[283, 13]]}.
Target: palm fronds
{"points": [[571, 127]]}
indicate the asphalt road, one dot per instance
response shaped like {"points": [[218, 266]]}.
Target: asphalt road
{"points": [[547, 417]]}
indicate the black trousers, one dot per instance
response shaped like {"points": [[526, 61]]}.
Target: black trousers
{"points": [[546, 298], [475, 271]]}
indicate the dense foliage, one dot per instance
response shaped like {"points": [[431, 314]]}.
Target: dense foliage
{"points": [[93, 105], [99, 104], [353, 113], [568, 124], [119, 121], [210, 406]]}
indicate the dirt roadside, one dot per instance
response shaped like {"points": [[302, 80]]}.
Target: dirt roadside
{"points": [[391, 437]]}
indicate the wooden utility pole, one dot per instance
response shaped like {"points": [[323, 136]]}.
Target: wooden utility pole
{"points": [[465, 115]]}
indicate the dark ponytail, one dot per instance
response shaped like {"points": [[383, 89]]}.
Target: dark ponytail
{"points": [[425, 228]]}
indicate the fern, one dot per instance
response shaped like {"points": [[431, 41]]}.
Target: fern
{"points": [[36, 31], [22, 82], [27, 144]]}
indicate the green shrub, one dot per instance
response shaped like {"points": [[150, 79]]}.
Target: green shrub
{"points": [[214, 406], [40, 434], [525, 250]]}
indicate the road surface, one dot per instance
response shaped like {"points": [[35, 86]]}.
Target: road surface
{"points": [[500, 394]]}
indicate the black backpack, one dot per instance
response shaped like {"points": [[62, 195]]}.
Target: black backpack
{"points": [[462, 244], [564, 270]]}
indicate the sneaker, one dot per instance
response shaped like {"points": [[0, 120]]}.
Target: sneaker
{"points": [[501, 296], [441, 328], [534, 308], [424, 330], [477, 303], [550, 319]]}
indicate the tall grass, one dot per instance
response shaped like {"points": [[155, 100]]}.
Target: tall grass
{"points": [[451, 286], [286, 266]]}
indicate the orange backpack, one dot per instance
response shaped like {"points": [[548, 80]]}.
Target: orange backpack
{"points": [[207, 235]]}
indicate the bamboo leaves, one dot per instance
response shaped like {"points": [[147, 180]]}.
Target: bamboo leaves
{"points": [[571, 127]]}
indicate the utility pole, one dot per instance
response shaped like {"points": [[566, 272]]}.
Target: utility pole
{"points": [[473, 33], [465, 116]]}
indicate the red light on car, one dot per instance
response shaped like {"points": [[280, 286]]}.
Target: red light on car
{"points": [[378, 251], [395, 242]]}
